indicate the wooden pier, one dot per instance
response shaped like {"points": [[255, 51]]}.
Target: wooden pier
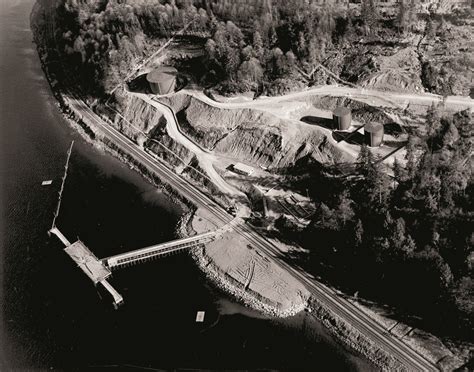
{"points": [[56, 213]]}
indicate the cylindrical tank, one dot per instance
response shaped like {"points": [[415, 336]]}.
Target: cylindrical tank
{"points": [[341, 117], [162, 80], [373, 133]]}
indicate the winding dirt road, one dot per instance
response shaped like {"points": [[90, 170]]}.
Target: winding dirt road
{"points": [[205, 157], [380, 98]]}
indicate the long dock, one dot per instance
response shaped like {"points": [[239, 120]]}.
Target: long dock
{"points": [[56, 213], [154, 251]]}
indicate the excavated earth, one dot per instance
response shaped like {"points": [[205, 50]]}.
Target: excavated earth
{"points": [[252, 136]]}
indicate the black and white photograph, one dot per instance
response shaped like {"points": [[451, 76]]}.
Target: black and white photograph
{"points": [[236, 185]]}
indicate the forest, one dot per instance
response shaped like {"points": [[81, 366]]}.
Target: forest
{"points": [[263, 46]]}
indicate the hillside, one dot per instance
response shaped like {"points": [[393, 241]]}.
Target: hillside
{"points": [[251, 47], [252, 136]]}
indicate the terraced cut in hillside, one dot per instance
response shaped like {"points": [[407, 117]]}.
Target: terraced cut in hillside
{"points": [[252, 136]]}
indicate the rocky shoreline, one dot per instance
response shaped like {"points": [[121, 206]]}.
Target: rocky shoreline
{"points": [[234, 288]]}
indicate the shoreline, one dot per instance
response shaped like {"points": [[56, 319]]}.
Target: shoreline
{"points": [[229, 285], [342, 331]]}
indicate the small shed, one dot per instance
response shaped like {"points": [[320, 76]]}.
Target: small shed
{"points": [[373, 133], [242, 169], [341, 117]]}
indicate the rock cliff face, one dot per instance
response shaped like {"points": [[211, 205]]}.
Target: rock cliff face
{"points": [[252, 136]]}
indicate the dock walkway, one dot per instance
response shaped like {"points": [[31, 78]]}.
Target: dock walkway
{"points": [[60, 236], [154, 251]]}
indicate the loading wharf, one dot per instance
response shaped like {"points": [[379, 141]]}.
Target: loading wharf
{"points": [[100, 270]]}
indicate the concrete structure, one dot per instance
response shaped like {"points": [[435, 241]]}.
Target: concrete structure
{"points": [[87, 262], [373, 133], [99, 270], [341, 117], [162, 80]]}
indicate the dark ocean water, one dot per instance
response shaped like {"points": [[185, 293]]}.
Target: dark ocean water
{"points": [[52, 316]]}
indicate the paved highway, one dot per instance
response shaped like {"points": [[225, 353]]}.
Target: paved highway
{"points": [[339, 306]]}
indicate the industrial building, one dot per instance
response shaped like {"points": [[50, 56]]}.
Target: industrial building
{"points": [[341, 117], [162, 80], [373, 133], [240, 168]]}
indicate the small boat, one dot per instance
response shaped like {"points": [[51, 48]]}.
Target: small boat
{"points": [[46, 183], [200, 316]]}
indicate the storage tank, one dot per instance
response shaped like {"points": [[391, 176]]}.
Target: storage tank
{"points": [[373, 133], [341, 117], [162, 80]]}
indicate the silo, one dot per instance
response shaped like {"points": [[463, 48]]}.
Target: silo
{"points": [[341, 117], [162, 80], [373, 133]]}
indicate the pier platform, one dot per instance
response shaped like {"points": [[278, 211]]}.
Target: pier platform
{"points": [[88, 262]]}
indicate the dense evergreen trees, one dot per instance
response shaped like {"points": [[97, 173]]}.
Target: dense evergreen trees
{"points": [[253, 43], [411, 235]]}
